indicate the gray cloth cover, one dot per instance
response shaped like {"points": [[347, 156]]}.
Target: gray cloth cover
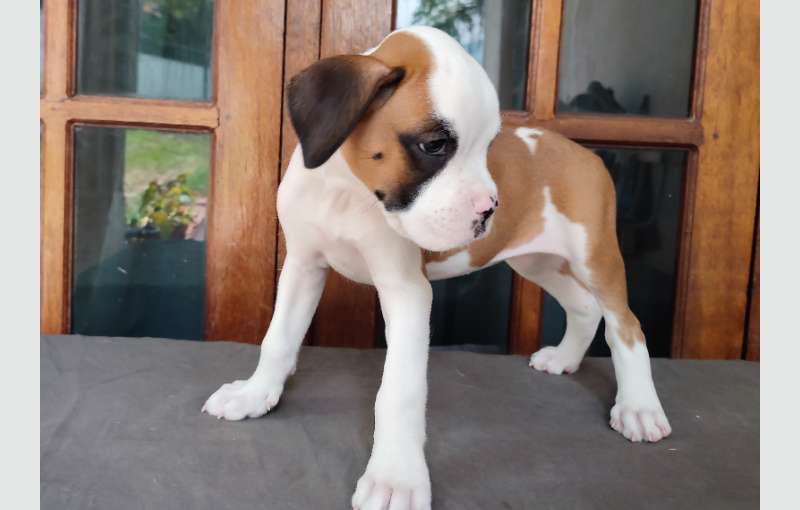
{"points": [[121, 428]]}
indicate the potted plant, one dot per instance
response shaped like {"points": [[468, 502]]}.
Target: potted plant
{"points": [[165, 211]]}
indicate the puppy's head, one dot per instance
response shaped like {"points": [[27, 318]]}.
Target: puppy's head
{"points": [[413, 119]]}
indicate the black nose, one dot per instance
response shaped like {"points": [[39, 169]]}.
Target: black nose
{"points": [[487, 214]]}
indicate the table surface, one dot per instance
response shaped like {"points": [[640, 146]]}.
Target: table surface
{"points": [[121, 428]]}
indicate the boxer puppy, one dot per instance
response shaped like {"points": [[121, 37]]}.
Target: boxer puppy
{"points": [[405, 174]]}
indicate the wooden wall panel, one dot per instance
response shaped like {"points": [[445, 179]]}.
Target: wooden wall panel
{"points": [[726, 187], [242, 217], [347, 311]]}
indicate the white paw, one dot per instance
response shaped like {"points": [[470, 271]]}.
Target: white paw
{"points": [[554, 361], [640, 423], [242, 399], [399, 485]]}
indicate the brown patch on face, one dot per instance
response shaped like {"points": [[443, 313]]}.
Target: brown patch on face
{"points": [[407, 110]]}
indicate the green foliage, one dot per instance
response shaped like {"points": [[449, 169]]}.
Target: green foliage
{"points": [[166, 206], [449, 15], [162, 155]]}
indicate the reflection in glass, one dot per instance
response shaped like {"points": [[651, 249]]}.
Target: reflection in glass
{"points": [[145, 48], [140, 199], [495, 32], [470, 312], [648, 185], [623, 57]]}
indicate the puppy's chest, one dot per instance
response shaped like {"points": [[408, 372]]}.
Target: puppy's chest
{"points": [[346, 260], [344, 220]]}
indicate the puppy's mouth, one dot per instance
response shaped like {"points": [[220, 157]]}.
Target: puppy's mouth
{"points": [[481, 226]]}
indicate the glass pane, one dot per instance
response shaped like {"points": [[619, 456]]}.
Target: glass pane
{"points": [[623, 57], [145, 48], [140, 199], [495, 32], [649, 200], [470, 313]]}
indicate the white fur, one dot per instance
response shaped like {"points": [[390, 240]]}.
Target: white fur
{"points": [[637, 413], [456, 265], [330, 219], [560, 236], [582, 309]]}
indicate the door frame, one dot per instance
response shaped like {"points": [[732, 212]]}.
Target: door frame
{"points": [[243, 119], [720, 185], [252, 141]]}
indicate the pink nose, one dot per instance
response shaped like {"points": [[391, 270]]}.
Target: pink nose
{"points": [[483, 203]]}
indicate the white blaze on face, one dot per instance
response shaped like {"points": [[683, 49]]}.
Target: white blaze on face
{"points": [[446, 212]]}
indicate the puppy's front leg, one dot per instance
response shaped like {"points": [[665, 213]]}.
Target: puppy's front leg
{"points": [[397, 475], [299, 289]]}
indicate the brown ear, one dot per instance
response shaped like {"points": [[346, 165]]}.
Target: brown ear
{"points": [[328, 98]]}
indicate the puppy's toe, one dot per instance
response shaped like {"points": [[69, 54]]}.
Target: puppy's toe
{"points": [[239, 400], [638, 424], [553, 360]]}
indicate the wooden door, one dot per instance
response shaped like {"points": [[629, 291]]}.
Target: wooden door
{"points": [[257, 45], [712, 142], [96, 96]]}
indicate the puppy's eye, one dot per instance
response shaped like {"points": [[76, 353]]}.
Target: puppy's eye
{"points": [[434, 147]]}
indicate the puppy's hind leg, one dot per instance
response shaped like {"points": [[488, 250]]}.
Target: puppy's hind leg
{"points": [[552, 273], [637, 413]]}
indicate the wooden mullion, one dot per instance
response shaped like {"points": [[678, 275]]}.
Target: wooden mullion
{"points": [[55, 224], [55, 220], [700, 56], [543, 59], [525, 316], [242, 221], [608, 129], [58, 50], [684, 243], [132, 111], [542, 88]]}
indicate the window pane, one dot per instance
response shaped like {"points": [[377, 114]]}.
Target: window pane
{"points": [[145, 48], [623, 57], [140, 199], [495, 32], [648, 185], [470, 313]]}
